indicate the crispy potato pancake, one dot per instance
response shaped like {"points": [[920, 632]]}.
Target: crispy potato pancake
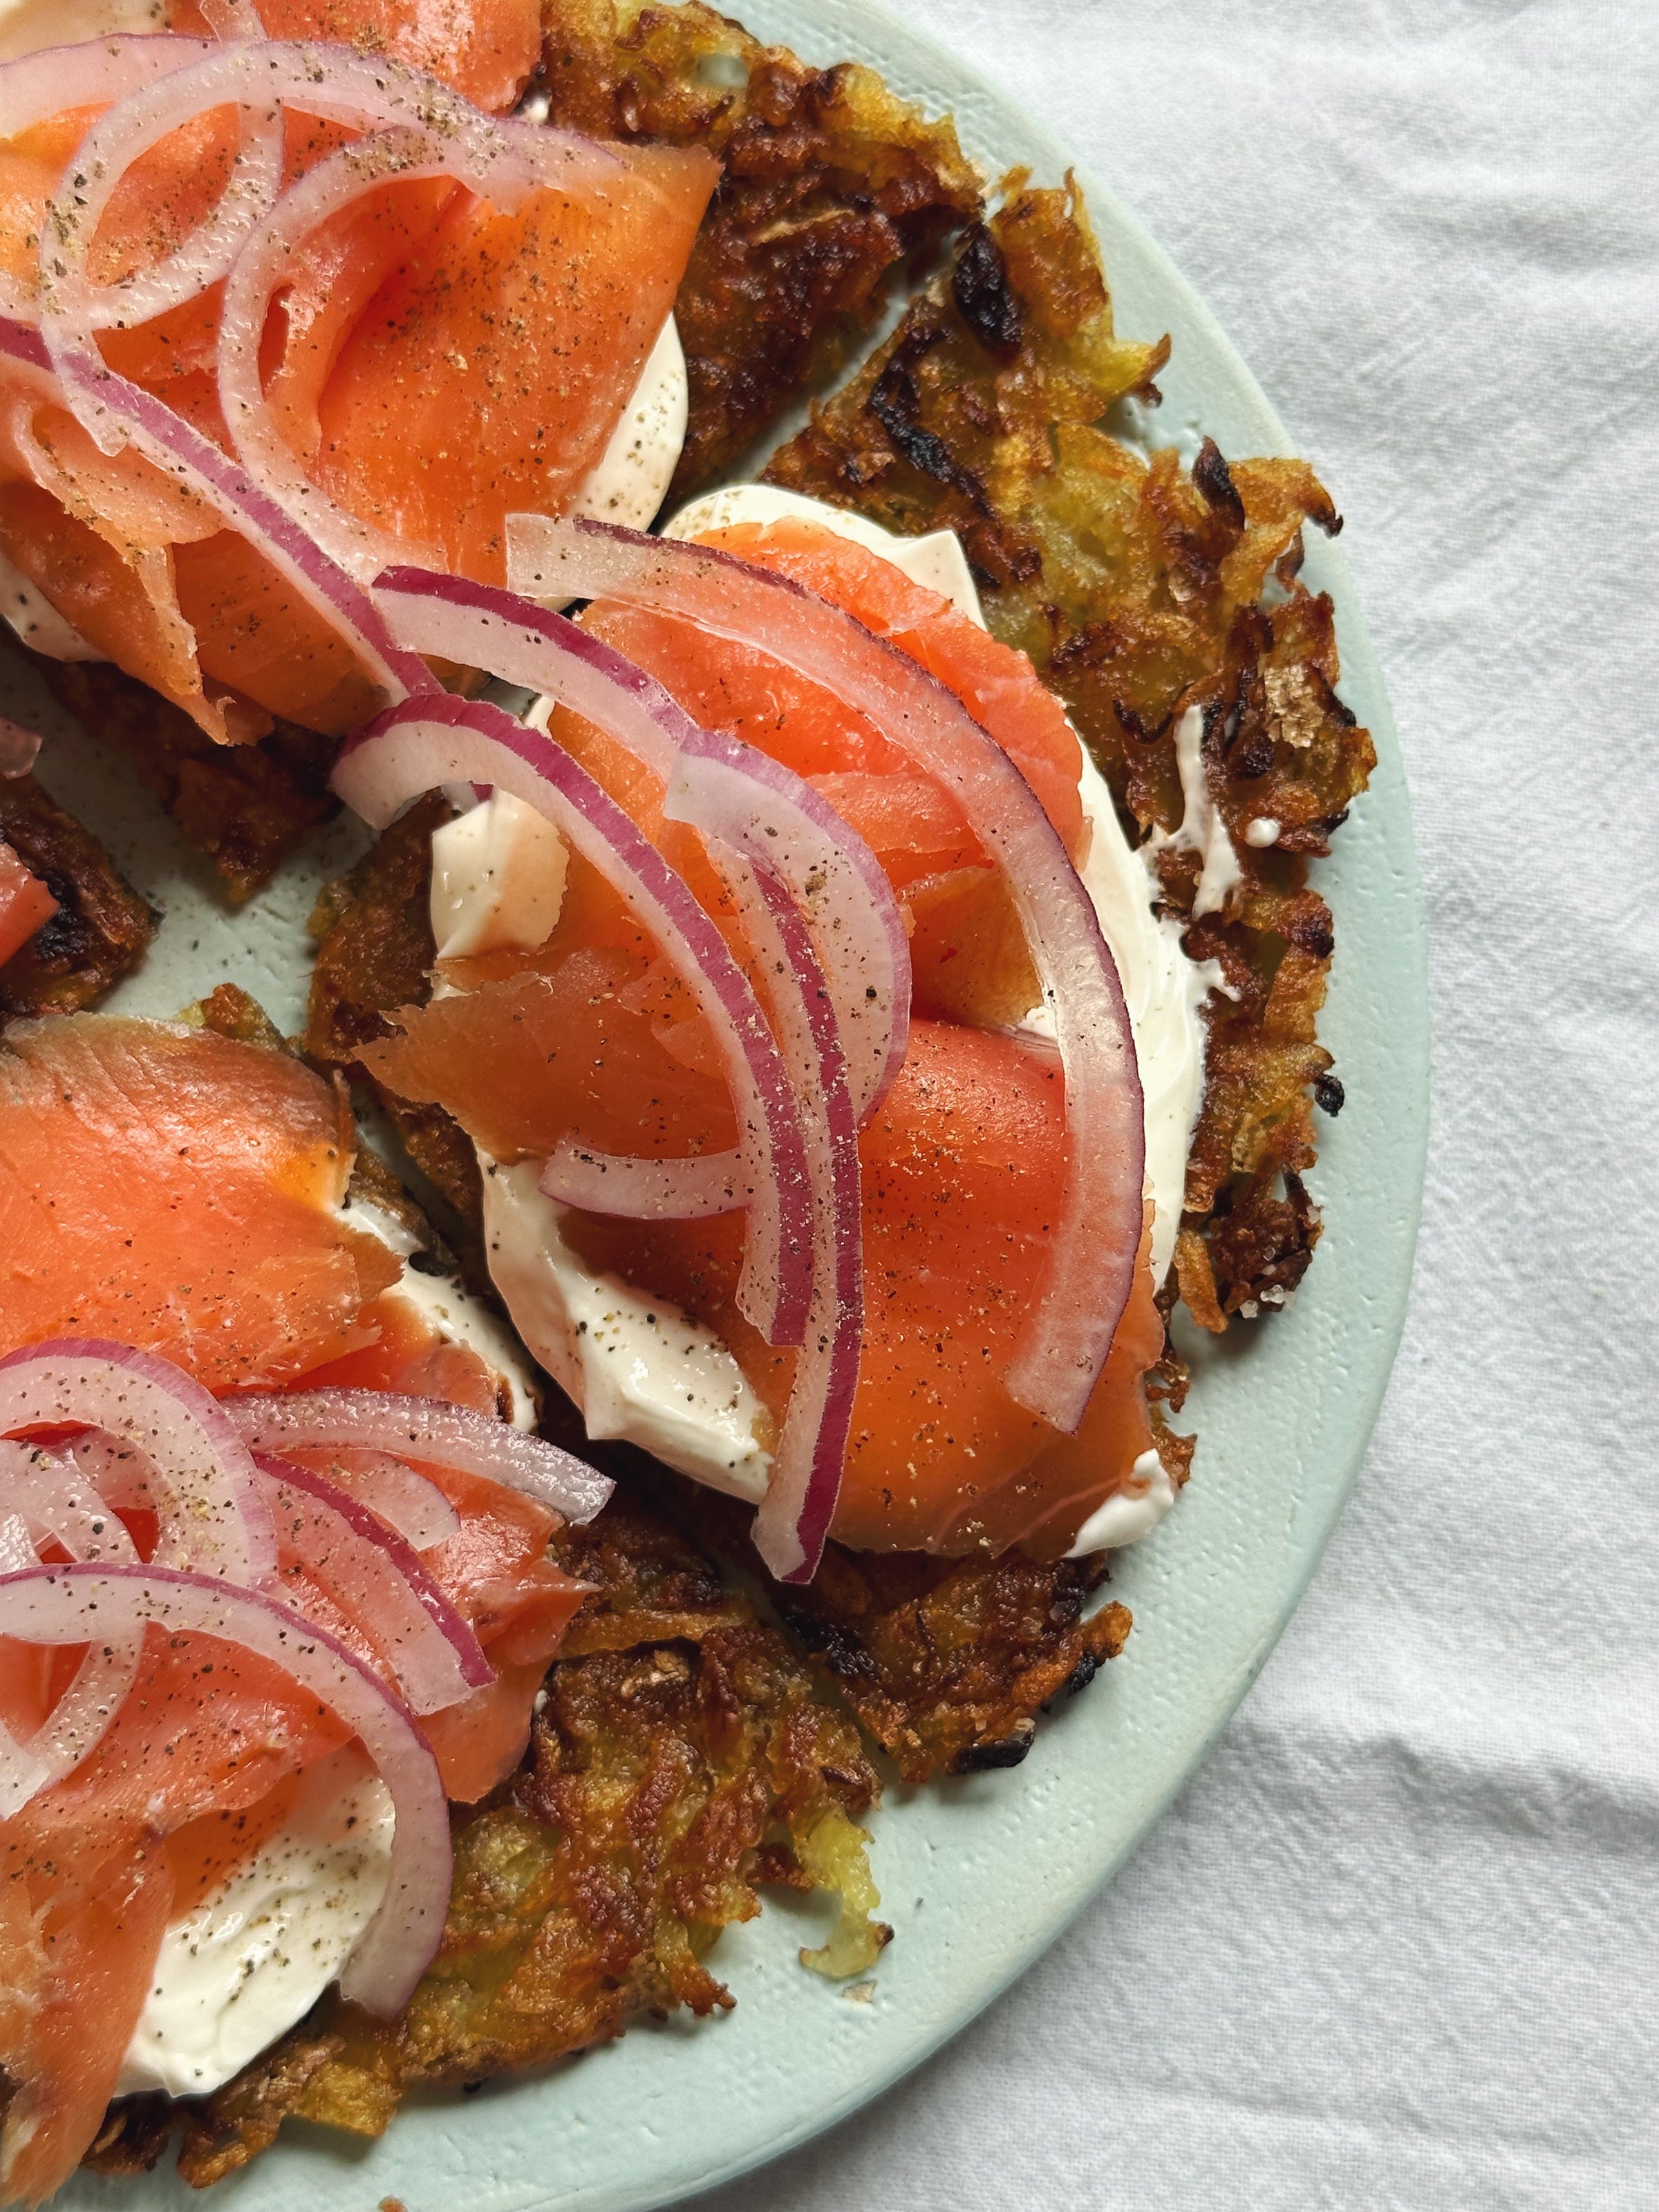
{"points": [[102, 928], [830, 187], [681, 1761], [243, 807], [946, 1662], [1140, 589]]}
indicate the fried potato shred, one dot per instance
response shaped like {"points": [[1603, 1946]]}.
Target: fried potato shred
{"points": [[946, 1662], [374, 952], [829, 188], [244, 807], [1139, 588], [102, 928]]}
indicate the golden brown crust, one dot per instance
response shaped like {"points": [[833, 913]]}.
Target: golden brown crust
{"points": [[102, 928], [1140, 590], [829, 187], [244, 808], [946, 1662], [682, 1760], [376, 952]]}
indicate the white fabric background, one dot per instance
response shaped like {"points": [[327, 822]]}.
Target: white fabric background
{"points": [[1396, 1945]]}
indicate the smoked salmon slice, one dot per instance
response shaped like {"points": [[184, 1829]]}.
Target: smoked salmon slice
{"points": [[485, 48], [433, 362], [175, 1189]]}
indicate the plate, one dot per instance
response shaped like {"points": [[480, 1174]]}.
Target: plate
{"points": [[978, 1875]]}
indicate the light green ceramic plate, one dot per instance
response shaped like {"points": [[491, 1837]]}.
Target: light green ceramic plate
{"points": [[977, 1876]]}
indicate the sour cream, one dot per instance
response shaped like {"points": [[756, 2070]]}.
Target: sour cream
{"points": [[641, 1370], [238, 1972], [26, 26], [452, 1312]]}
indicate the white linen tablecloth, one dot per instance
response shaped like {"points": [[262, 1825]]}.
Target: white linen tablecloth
{"points": [[1396, 1945]]}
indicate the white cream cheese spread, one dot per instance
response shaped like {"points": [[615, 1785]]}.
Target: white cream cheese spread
{"points": [[26, 26], [452, 1312], [237, 1972]]}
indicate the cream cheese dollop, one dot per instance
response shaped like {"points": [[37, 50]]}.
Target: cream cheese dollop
{"points": [[452, 1312], [26, 26], [642, 1370], [238, 1972], [639, 1368], [630, 480]]}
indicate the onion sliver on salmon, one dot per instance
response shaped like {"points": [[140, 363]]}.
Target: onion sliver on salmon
{"points": [[218, 1522], [47, 1504], [180, 451], [263, 78], [424, 1431], [430, 742], [793, 1524], [32, 89], [717, 785], [1066, 1341], [363, 1567], [80, 1604]]}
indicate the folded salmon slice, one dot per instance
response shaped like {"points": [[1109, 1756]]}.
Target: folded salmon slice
{"points": [[175, 1189], [486, 375], [436, 363]]}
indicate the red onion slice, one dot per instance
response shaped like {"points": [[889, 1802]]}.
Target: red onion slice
{"points": [[99, 163], [93, 74], [175, 447], [441, 740], [409, 1503], [263, 77], [714, 782], [58, 1503], [646, 1190], [216, 1519], [52, 1503], [423, 1430], [379, 1584], [1066, 1338], [792, 1523], [17, 1550], [85, 1604]]}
